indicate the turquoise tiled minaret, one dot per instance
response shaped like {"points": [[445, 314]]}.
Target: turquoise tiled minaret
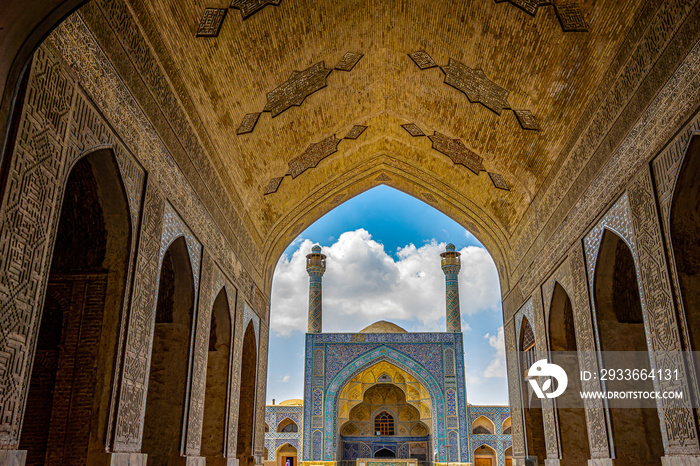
{"points": [[315, 266], [451, 264]]}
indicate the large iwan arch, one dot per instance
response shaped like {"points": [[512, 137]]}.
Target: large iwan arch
{"points": [[543, 130]]}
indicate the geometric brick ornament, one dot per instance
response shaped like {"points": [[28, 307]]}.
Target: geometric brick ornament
{"points": [[457, 151], [210, 24], [476, 86], [313, 155], [295, 89], [568, 12], [248, 7]]}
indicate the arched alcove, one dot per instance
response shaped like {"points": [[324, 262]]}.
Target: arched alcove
{"points": [[534, 421], [685, 241], [217, 385], [68, 399], [619, 319], [384, 453], [164, 419], [246, 399], [485, 455], [506, 426], [483, 425], [571, 415], [287, 426]]}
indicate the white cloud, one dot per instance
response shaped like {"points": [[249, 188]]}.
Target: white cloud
{"points": [[286, 378], [363, 284], [497, 366]]}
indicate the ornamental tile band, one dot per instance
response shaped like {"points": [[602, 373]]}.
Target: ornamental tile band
{"points": [[298, 87], [422, 60], [249, 7], [248, 123], [568, 12], [457, 151], [355, 132], [413, 130], [210, 24], [348, 61]]}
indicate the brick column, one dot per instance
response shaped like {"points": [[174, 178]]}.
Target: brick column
{"points": [[451, 264], [315, 266]]}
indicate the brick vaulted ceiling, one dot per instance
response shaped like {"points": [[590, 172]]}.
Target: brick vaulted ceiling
{"points": [[494, 60]]}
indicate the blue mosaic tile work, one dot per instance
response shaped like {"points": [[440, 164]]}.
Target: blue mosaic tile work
{"points": [[498, 440], [419, 354], [274, 415]]}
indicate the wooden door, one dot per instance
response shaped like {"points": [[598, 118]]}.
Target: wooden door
{"points": [[482, 462]]}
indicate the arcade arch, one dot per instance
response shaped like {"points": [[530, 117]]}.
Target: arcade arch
{"points": [[69, 392]]}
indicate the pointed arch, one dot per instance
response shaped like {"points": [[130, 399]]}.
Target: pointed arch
{"points": [[619, 319], [684, 226], [217, 384], [74, 363], [165, 401], [483, 425], [571, 415], [287, 425], [247, 398]]}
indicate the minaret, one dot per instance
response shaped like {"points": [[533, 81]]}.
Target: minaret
{"points": [[451, 264], [315, 266]]}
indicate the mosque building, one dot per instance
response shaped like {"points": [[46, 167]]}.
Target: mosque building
{"points": [[384, 394]]}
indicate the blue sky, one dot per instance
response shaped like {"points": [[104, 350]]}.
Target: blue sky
{"points": [[383, 264]]}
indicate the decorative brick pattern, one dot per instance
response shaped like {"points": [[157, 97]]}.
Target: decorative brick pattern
{"points": [[457, 152], [568, 11], [298, 87], [422, 60], [313, 155], [348, 62], [250, 7], [248, 123], [476, 86], [210, 24], [570, 16], [498, 181], [413, 129], [526, 119], [355, 132], [273, 185]]}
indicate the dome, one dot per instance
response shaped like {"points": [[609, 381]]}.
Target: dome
{"points": [[383, 326], [293, 402]]}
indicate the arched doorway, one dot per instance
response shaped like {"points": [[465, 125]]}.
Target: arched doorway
{"points": [[246, 400], [67, 404], [218, 362], [534, 423], [508, 454], [286, 455], [169, 358], [571, 414], [485, 455], [685, 241], [619, 319]]}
